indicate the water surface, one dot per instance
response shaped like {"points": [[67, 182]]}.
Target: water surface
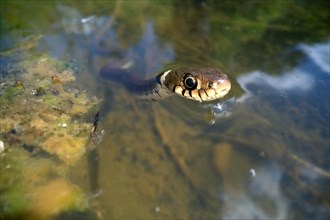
{"points": [[262, 152]]}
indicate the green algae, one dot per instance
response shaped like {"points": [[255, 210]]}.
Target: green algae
{"points": [[11, 93], [44, 132], [45, 107], [35, 188]]}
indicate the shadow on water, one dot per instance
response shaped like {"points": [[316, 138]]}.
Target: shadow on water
{"points": [[259, 153]]}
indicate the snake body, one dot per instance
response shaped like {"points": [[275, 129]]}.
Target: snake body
{"points": [[195, 83]]}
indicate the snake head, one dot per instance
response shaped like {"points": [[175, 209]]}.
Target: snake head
{"points": [[199, 84]]}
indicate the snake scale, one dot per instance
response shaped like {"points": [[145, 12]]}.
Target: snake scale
{"points": [[196, 83]]}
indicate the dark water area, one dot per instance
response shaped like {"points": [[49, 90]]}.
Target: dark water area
{"points": [[261, 152]]}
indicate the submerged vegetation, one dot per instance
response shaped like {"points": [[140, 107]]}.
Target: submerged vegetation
{"points": [[43, 132]]}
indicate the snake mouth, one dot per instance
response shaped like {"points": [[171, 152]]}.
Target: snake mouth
{"points": [[215, 85], [218, 90], [223, 88]]}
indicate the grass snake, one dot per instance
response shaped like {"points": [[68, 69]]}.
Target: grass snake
{"points": [[195, 83]]}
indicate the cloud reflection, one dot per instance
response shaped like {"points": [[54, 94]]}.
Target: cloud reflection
{"points": [[300, 78], [296, 79], [263, 189], [319, 53]]}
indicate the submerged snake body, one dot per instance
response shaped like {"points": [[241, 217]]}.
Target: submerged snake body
{"points": [[199, 84]]}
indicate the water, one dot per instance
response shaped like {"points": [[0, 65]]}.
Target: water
{"points": [[260, 153]]}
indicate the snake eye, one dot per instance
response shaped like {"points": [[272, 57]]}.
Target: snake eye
{"points": [[210, 85], [189, 81]]}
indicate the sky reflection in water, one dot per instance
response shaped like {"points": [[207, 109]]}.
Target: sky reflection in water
{"points": [[299, 78], [303, 88], [308, 81]]}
